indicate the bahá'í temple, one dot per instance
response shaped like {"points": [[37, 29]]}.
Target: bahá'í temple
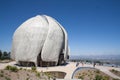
{"points": [[40, 41]]}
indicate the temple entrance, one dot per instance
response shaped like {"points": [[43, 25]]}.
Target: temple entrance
{"points": [[42, 63], [26, 63], [61, 59], [39, 60]]}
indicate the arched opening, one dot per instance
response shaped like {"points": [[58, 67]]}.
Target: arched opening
{"points": [[39, 60], [26, 63], [61, 59], [42, 63], [68, 57]]}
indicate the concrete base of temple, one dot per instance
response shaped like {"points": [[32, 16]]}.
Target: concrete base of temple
{"points": [[41, 63]]}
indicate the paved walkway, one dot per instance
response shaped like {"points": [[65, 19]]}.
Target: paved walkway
{"points": [[3, 65], [69, 68]]}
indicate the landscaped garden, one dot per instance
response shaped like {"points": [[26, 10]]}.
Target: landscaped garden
{"points": [[115, 72], [13, 73], [91, 74]]}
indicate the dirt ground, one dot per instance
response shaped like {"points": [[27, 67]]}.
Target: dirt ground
{"points": [[23, 75]]}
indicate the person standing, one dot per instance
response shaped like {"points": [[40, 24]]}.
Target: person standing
{"points": [[77, 64], [94, 64]]}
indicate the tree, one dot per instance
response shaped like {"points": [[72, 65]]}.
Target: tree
{"points": [[0, 54], [5, 53]]}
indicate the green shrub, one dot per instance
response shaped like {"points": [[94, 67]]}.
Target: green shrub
{"points": [[88, 75], [25, 69], [80, 77], [27, 78], [2, 71], [33, 68], [27, 74], [38, 74], [115, 71], [8, 67], [98, 77], [7, 78], [112, 70], [14, 69], [106, 78], [11, 68], [1, 75], [49, 75], [97, 71], [21, 68]]}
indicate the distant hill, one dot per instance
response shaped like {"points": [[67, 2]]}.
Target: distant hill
{"points": [[111, 59]]}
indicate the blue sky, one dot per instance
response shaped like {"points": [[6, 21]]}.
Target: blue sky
{"points": [[93, 26]]}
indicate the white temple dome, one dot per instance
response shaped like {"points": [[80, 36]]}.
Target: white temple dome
{"points": [[40, 36]]}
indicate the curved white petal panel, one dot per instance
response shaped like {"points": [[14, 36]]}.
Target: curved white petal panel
{"points": [[54, 42]]}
